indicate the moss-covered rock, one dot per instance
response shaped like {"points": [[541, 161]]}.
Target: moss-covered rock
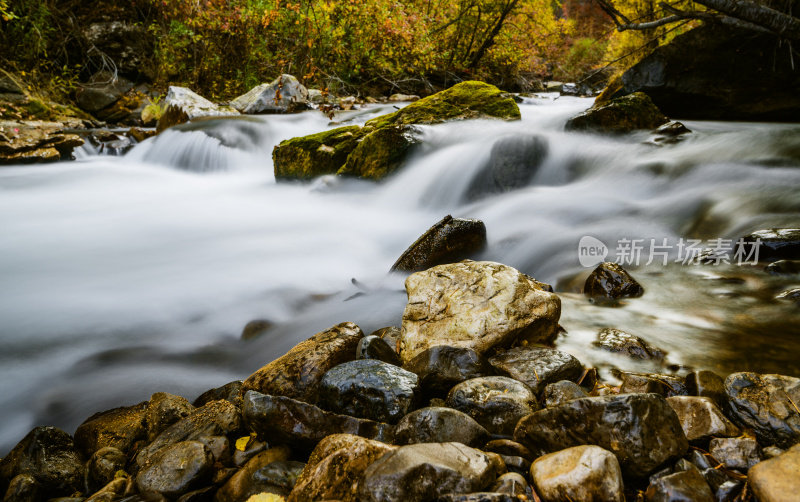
{"points": [[315, 155], [625, 114], [379, 148]]}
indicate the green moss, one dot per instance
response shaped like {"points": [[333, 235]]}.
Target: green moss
{"points": [[315, 155], [379, 153], [37, 109], [620, 115]]}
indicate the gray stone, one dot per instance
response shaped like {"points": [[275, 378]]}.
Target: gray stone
{"points": [[701, 419], [620, 342], [375, 347], [285, 94], [776, 479], [176, 469], [448, 241], [513, 161], [580, 473], [440, 368], [537, 366], [182, 105], [497, 403], [686, 486], [440, 425], [736, 453], [611, 281], [101, 91], [561, 392], [768, 404]]}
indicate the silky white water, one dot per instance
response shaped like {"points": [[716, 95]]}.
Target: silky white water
{"points": [[124, 276]]}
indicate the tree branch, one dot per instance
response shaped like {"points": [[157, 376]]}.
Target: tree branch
{"points": [[771, 19]]}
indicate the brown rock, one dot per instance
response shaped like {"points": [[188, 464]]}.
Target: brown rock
{"points": [[117, 428], [610, 281], [776, 479], [243, 484]]}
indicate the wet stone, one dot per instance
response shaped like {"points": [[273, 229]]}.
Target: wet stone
{"points": [[783, 267], [776, 479], [513, 483], [705, 383], [701, 419], [229, 392], [255, 328], [736, 453], [252, 448], [702, 461], [686, 485], [425, 471], [640, 429], [666, 385], [516, 464], [620, 342], [23, 488], [561, 392], [390, 334], [513, 161], [375, 347], [580, 474], [790, 295], [497, 403], [771, 451], [176, 469], [537, 366], [440, 368], [448, 241], [369, 388], [610, 281], [219, 447], [117, 428], [508, 447], [767, 404], [103, 466], [251, 479], [440, 425], [776, 243], [164, 410]]}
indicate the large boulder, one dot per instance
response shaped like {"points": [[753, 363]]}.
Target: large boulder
{"points": [[448, 241], [620, 115], [285, 94], [36, 141], [477, 305], [768, 404], [182, 105], [717, 72]]}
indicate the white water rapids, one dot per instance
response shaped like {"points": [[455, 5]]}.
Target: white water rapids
{"points": [[124, 276]]}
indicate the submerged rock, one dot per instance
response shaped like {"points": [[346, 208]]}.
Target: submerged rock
{"points": [[640, 429], [448, 241], [610, 281], [182, 105], [776, 243], [176, 469], [441, 367], [297, 373], [701, 419], [620, 342], [776, 479], [579, 474], [285, 94], [477, 305], [422, 472], [620, 115], [497, 403], [513, 161], [440, 425], [537, 366], [768, 404]]}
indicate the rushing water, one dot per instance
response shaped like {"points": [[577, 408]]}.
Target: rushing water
{"points": [[123, 276]]}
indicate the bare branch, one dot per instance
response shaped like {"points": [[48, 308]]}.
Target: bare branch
{"points": [[771, 19]]}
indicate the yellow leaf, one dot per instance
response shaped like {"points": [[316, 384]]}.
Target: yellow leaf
{"points": [[242, 442]]}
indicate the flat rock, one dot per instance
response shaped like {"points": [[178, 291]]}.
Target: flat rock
{"points": [[448, 241], [701, 418], [477, 305], [581, 473], [285, 420], [118, 428], [251, 478], [610, 281], [497, 403], [561, 392], [736, 453], [620, 342], [421, 472], [297, 373], [642, 430], [176, 469], [537, 366], [441, 367], [440, 425], [369, 388], [685, 485], [776, 479], [768, 404]]}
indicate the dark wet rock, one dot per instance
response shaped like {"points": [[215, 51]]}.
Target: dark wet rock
{"points": [[182, 105], [666, 385], [792, 295], [589, 380], [164, 410], [285, 94], [335, 467], [297, 374], [103, 466], [440, 425], [477, 497], [513, 483], [701, 419], [246, 448], [102, 90], [50, 456], [705, 383], [776, 479], [217, 418], [23, 488], [669, 134], [497, 403], [580, 474], [509, 448], [513, 161], [176, 469], [255, 328], [390, 334], [250, 479], [768, 404], [448, 241], [561, 392], [610, 281], [682, 486], [285, 420], [701, 460], [230, 392], [516, 464], [493, 303], [369, 388], [537, 366], [620, 115], [375, 347], [202, 495], [620, 342], [776, 243], [113, 490], [640, 429], [736, 453], [783, 267], [441, 367], [118, 428], [421, 472]]}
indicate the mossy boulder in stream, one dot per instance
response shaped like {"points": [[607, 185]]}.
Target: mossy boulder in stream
{"points": [[380, 147], [625, 114]]}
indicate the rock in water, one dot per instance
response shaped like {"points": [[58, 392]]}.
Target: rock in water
{"points": [[314, 155], [609, 280], [640, 429], [368, 388], [297, 373], [620, 115], [537, 366], [448, 241], [640, 383], [701, 419], [285, 94], [513, 161], [182, 105], [425, 471], [776, 243], [441, 367], [477, 305], [616, 340], [497, 403], [176, 469], [440, 425], [776, 479], [580, 474], [768, 404]]}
